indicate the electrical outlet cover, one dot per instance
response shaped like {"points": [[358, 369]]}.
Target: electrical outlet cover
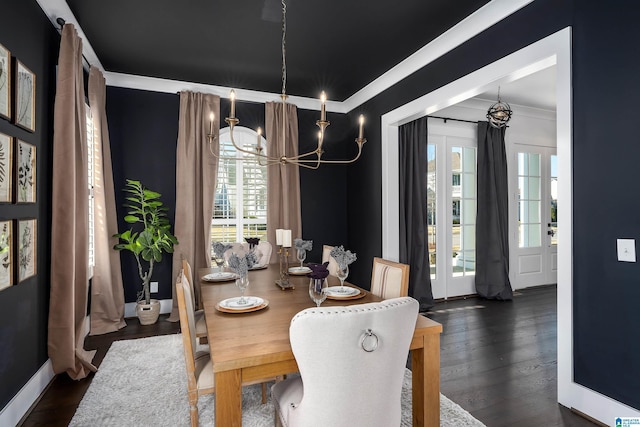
{"points": [[627, 250]]}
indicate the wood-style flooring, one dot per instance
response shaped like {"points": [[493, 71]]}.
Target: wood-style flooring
{"points": [[498, 361]]}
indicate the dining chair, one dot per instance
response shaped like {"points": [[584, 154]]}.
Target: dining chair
{"points": [[389, 279], [199, 367], [238, 248], [351, 361], [326, 256], [200, 323], [263, 251]]}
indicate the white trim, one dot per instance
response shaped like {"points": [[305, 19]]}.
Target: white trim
{"points": [[166, 305], [480, 20], [18, 406]]}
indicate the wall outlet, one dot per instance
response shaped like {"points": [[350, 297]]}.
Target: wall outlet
{"points": [[154, 287], [627, 250]]}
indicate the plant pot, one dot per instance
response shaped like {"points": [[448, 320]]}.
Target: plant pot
{"points": [[148, 313]]}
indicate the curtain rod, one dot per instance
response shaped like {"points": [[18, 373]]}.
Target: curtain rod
{"points": [[455, 120]]}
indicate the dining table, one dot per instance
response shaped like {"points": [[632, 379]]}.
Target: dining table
{"points": [[250, 345]]}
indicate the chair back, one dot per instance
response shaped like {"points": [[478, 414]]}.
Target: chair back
{"points": [[187, 326], [389, 279], [188, 277], [263, 252], [352, 361], [238, 248], [326, 256]]}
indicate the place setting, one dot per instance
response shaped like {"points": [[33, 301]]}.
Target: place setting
{"points": [[301, 246], [242, 304], [343, 259]]}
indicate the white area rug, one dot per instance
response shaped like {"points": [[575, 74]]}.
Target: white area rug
{"points": [[142, 382]]}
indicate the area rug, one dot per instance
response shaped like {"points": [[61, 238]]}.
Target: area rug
{"points": [[142, 382]]}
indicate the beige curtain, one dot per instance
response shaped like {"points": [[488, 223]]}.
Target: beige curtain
{"points": [[107, 293], [196, 170], [69, 224], [283, 181]]}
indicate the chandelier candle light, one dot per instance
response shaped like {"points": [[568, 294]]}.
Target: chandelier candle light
{"points": [[310, 160], [283, 241]]}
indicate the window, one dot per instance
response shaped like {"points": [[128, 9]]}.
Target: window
{"points": [[92, 143], [240, 200]]}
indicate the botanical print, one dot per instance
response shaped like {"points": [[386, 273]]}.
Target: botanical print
{"points": [[25, 97], [6, 160], [6, 265], [26, 249], [26, 172], [5, 82]]}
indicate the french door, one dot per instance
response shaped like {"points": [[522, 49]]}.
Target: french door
{"points": [[533, 224], [451, 208]]}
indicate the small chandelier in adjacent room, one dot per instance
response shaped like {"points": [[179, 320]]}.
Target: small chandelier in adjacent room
{"points": [[499, 113]]}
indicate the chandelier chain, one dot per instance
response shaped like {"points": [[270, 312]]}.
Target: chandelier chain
{"points": [[284, 48]]}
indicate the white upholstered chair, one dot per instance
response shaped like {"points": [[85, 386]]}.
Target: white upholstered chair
{"points": [[200, 324], [263, 252], [351, 361], [238, 248], [326, 256], [389, 279]]}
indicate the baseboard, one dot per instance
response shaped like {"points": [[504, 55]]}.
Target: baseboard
{"points": [[27, 396], [166, 305]]}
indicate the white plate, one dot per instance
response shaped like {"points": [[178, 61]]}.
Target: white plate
{"points": [[220, 276], [259, 267], [347, 291], [234, 303], [299, 270]]}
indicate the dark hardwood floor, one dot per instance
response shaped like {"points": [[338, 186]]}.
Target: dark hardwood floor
{"points": [[498, 361]]}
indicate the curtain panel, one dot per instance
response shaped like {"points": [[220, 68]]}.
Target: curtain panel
{"points": [[196, 174], [107, 292], [283, 181], [492, 221], [69, 222], [414, 249]]}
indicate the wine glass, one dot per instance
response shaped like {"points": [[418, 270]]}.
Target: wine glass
{"points": [[219, 260], [242, 283], [301, 255], [342, 273], [318, 290]]}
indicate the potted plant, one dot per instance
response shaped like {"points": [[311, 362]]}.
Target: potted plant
{"points": [[148, 238]]}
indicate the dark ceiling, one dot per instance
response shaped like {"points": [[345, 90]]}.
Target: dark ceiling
{"points": [[334, 45]]}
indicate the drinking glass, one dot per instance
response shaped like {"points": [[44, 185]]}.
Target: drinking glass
{"points": [[318, 290], [242, 282], [342, 274], [301, 255], [219, 260]]}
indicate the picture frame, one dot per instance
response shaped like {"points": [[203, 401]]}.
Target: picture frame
{"points": [[5, 82], [25, 97], [6, 254], [25, 166], [6, 168], [26, 248]]}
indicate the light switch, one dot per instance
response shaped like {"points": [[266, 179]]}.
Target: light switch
{"points": [[627, 250], [154, 287]]}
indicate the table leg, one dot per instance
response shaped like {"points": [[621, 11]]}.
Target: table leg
{"points": [[228, 398], [425, 368]]}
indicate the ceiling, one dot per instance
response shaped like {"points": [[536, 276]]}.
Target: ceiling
{"points": [[333, 45]]}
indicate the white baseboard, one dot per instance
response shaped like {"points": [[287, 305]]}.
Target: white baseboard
{"points": [[165, 307], [28, 394]]}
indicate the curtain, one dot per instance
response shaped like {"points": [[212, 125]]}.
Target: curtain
{"points": [[107, 293], [69, 222], [283, 181], [492, 221], [196, 172], [414, 249]]}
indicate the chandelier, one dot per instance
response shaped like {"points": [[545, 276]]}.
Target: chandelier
{"points": [[499, 113], [310, 160]]}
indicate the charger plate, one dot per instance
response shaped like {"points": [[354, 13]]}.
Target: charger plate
{"points": [[230, 305]]}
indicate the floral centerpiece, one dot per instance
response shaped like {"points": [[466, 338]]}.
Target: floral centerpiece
{"points": [[241, 266], [342, 257], [219, 249], [302, 246]]}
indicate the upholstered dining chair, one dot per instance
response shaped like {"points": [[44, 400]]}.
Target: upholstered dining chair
{"points": [[200, 376], [238, 248], [389, 279], [326, 256], [263, 252], [351, 361], [200, 323]]}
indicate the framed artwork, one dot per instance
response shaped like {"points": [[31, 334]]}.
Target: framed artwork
{"points": [[6, 168], [27, 234], [26, 173], [25, 97], [5, 82], [6, 254]]}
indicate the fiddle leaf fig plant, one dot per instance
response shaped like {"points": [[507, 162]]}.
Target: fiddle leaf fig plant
{"points": [[150, 234]]}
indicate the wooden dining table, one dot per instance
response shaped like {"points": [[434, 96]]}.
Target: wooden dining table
{"points": [[255, 345]]}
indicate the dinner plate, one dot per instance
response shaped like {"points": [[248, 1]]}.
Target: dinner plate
{"points": [[299, 271], [232, 305], [333, 292], [259, 267], [220, 276]]}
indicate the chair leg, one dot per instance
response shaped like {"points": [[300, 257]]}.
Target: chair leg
{"points": [[193, 408], [264, 393]]}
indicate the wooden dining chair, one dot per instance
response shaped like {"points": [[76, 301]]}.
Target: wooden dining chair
{"points": [[200, 323], [326, 257], [352, 363], [389, 279]]}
